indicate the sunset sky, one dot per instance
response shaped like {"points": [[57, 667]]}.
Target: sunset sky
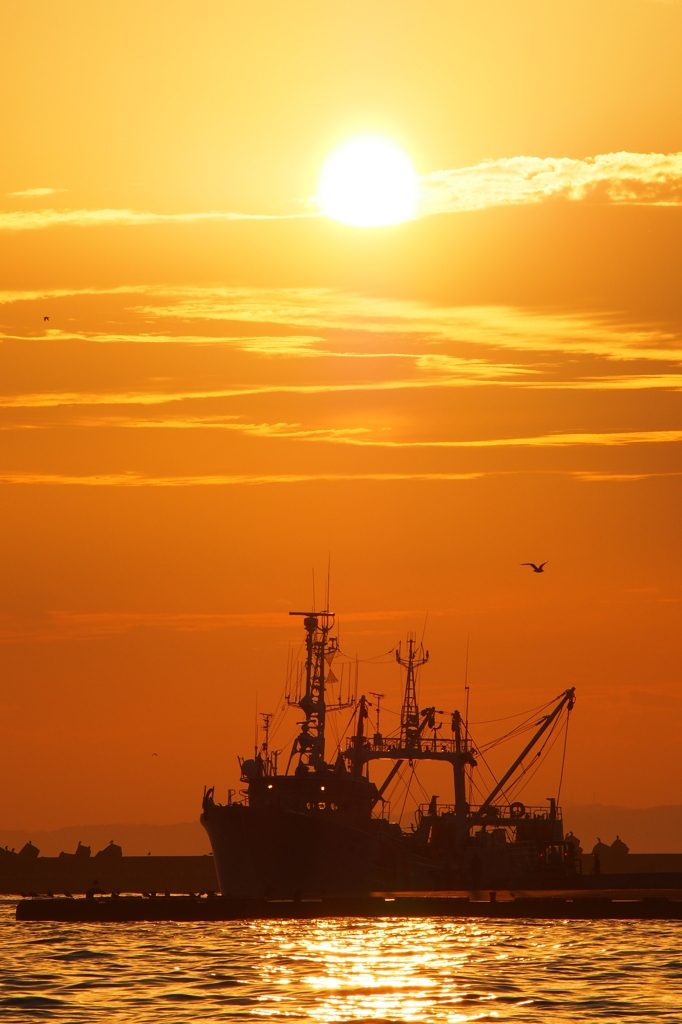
{"points": [[233, 388]]}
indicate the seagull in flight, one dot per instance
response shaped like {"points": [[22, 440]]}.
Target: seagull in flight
{"points": [[46, 318], [536, 568]]}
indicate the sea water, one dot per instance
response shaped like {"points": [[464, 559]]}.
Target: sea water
{"points": [[391, 969]]}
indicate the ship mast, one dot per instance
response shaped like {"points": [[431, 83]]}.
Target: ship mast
{"points": [[409, 715], [320, 647], [461, 805], [413, 743]]}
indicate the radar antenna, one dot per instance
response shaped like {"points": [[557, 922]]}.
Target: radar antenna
{"points": [[320, 649], [409, 714]]}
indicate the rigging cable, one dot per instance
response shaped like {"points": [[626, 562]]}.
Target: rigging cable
{"points": [[384, 654], [494, 777], [507, 718], [563, 756], [419, 783], [537, 758], [341, 738], [407, 793], [398, 781], [518, 730]]}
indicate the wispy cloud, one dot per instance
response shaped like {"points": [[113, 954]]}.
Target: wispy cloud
{"points": [[32, 220], [639, 178], [140, 480], [622, 382], [214, 480], [496, 326], [34, 295], [306, 346], [594, 476], [386, 344], [608, 439], [357, 436], [289, 431], [31, 192], [329, 309], [286, 344], [54, 399]]}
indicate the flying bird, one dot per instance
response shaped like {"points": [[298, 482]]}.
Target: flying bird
{"points": [[536, 568], [153, 755], [46, 318]]}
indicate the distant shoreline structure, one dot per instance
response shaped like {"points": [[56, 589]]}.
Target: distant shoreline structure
{"points": [[646, 830], [178, 839]]}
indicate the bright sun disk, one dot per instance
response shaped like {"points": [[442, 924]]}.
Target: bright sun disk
{"points": [[368, 181]]}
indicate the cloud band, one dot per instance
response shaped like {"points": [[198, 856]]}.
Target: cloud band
{"points": [[652, 179], [631, 178]]}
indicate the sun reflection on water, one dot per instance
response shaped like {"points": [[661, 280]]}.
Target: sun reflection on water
{"points": [[406, 970], [389, 971]]}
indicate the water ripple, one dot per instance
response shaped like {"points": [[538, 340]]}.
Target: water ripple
{"points": [[390, 971]]}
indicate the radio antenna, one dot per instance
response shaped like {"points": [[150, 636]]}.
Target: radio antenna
{"points": [[466, 692], [255, 728], [379, 697]]}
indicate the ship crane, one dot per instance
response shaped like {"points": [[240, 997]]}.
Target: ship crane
{"points": [[567, 700], [413, 744]]}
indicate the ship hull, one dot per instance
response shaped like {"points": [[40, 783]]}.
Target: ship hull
{"points": [[278, 853]]}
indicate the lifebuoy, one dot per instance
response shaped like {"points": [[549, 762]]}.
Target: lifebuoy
{"points": [[517, 809]]}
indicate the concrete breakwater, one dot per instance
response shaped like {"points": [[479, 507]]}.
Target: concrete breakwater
{"points": [[108, 871], [27, 873], [551, 906], [632, 863]]}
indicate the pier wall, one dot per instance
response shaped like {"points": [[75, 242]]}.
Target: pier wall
{"points": [[76, 875], [635, 863]]}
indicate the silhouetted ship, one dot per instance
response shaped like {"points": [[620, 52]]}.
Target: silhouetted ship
{"points": [[323, 827]]}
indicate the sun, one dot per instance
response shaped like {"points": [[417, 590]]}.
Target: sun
{"points": [[368, 181]]}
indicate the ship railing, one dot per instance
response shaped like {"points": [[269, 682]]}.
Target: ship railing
{"points": [[507, 813], [382, 810], [393, 745]]}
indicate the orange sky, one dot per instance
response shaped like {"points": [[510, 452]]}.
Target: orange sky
{"points": [[231, 388]]}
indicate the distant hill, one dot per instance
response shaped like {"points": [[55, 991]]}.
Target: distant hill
{"points": [[183, 839], [643, 829]]}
